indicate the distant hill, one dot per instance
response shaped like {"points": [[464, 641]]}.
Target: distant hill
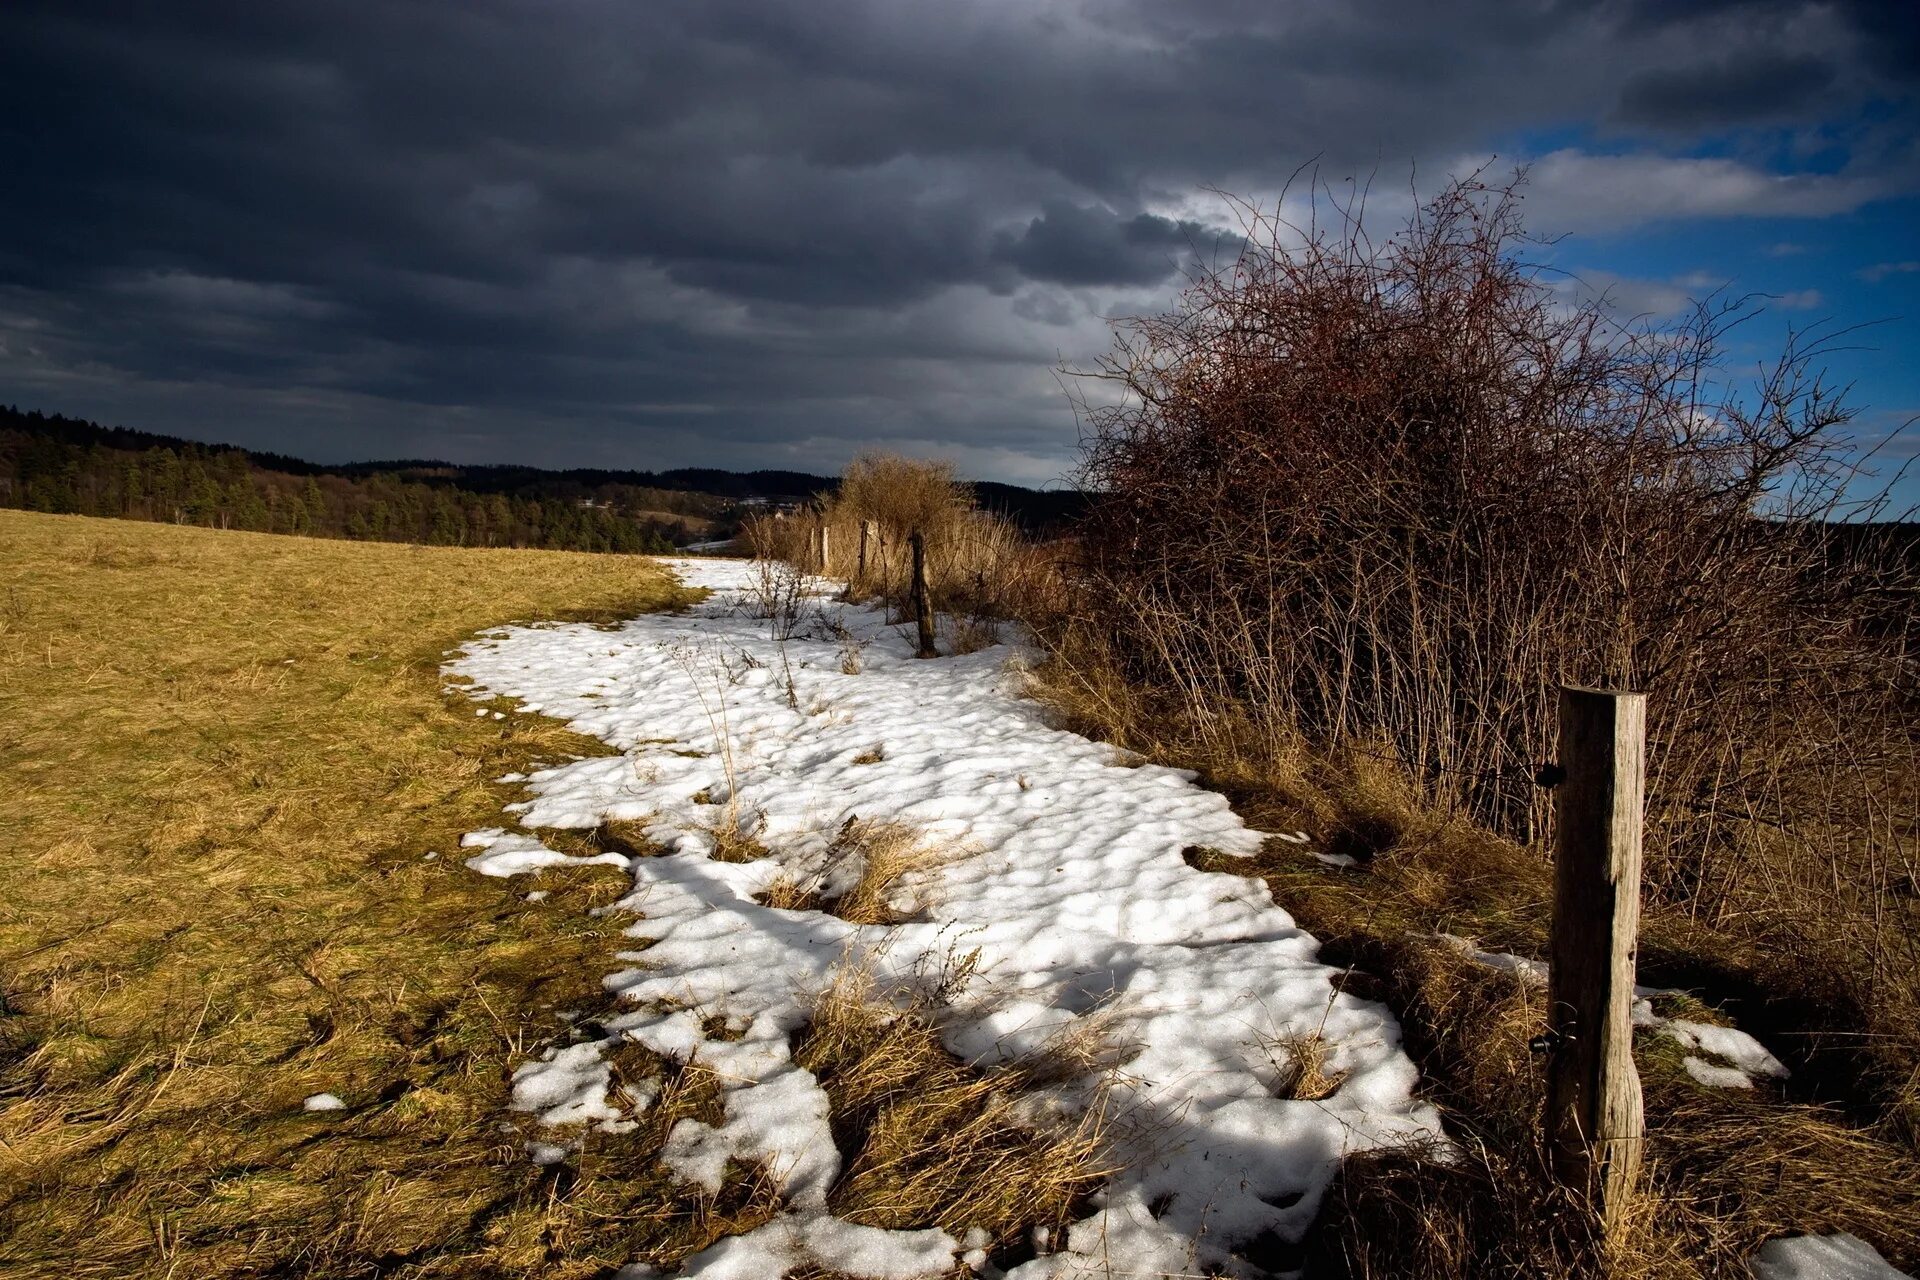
{"points": [[58, 464]]}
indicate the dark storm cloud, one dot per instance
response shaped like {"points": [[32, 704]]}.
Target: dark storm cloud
{"points": [[1762, 87], [1069, 244], [759, 223]]}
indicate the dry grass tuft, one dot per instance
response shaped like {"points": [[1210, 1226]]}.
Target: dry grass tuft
{"points": [[930, 1141], [1300, 1067], [617, 836], [734, 839], [787, 894], [889, 855]]}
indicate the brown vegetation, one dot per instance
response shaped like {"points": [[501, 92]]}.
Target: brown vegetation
{"points": [[1726, 1169], [231, 756], [886, 858], [1385, 498], [888, 854], [929, 1141], [979, 569], [1362, 509]]}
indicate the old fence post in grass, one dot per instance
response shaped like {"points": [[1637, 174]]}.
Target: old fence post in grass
{"points": [[860, 567], [1595, 1126], [922, 601], [820, 533]]}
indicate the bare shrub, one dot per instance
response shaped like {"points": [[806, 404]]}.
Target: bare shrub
{"points": [[901, 495], [778, 586], [979, 568], [1386, 497]]}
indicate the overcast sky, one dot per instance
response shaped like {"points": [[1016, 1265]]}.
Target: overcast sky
{"points": [[742, 233]]}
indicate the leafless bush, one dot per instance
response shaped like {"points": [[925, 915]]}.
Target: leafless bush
{"points": [[778, 586], [1394, 494], [979, 568]]}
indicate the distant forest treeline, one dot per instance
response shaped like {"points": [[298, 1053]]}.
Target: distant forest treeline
{"points": [[68, 465]]}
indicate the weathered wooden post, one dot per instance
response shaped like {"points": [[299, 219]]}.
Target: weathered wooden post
{"points": [[824, 532], [922, 602], [1595, 1126], [860, 567]]}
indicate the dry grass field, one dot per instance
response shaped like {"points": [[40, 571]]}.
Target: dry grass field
{"points": [[228, 758]]}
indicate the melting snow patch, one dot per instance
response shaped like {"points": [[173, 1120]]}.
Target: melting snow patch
{"points": [[510, 854], [567, 1086], [1835, 1257], [1743, 1057], [1714, 1076], [1067, 885], [1748, 1056], [323, 1102]]}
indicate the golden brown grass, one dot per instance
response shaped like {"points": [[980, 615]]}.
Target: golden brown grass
{"points": [[1727, 1169], [735, 840], [1300, 1067], [229, 755], [930, 1141], [788, 894], [888, 854]]}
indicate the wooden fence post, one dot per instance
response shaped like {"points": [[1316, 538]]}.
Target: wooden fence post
{"points": [[860, 568], [824, 532], [922, 602], [1595, 1126]]}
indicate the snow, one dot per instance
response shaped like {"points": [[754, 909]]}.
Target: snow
{"points": [[1742, 1056], [1066, 880], [323, 1102], [1745, 1055], [1714, 1076], [511, 854], [1835, 1257], [569, 1086]]}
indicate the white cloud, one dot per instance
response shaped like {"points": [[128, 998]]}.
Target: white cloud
{"points": [[1631, 297], [1572, 191], [1881, 270]]}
